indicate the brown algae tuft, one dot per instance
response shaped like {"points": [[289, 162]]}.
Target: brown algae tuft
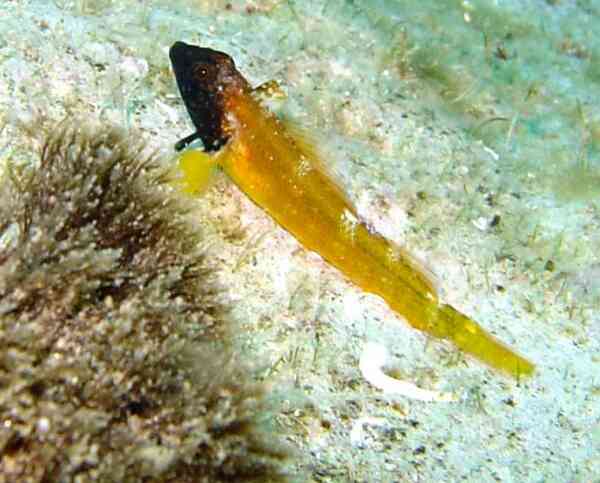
{"points": [[115, 364]]}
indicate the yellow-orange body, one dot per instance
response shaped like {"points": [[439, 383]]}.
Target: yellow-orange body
{"points": [[281, 173]]}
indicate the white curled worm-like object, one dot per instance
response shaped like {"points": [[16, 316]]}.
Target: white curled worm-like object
{"points": [[374, 357]]}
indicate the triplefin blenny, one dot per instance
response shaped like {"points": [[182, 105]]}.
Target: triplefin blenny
{"points": [[281, 172]]}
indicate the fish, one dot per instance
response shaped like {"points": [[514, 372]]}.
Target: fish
{"points": [[281, 171]]}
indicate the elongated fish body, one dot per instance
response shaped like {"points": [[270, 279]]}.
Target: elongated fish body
{"points": [[282, 174]]}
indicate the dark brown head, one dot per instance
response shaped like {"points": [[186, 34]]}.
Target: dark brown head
{"points": [[205, 78]]}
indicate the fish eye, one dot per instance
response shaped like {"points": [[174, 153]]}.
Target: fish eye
{"points": [[201, 69]]}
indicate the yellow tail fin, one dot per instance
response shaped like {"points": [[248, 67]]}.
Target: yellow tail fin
{"points": [[469, 337]]}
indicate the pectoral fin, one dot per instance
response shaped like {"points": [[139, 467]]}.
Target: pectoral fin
{"points": [[196, 171]]}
